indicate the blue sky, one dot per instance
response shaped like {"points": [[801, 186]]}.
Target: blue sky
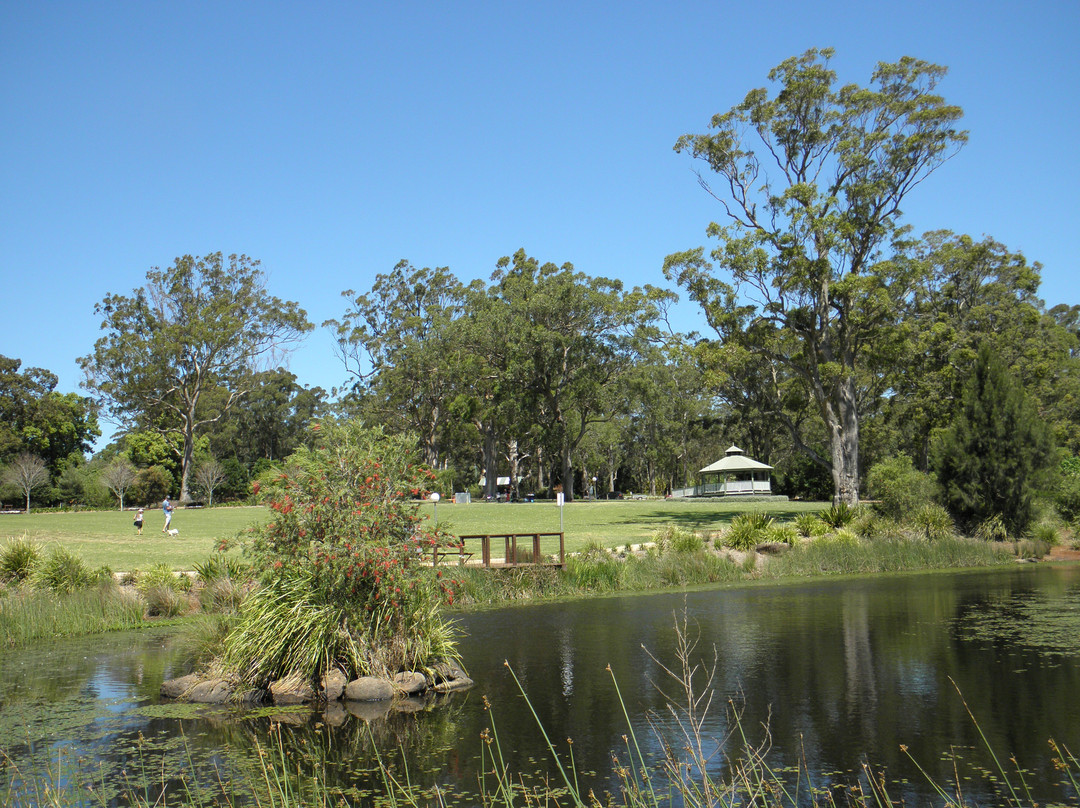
{"points": [[330, 140]]}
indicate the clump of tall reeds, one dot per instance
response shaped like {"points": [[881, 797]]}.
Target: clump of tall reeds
{"points": [[18, 559], [747, 530]]}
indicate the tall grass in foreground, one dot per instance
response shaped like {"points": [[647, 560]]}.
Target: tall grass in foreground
{"points": [[33, 614]]}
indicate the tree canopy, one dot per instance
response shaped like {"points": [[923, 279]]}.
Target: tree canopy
{"points": [[202, 324], [35, 419], [811, 181]]}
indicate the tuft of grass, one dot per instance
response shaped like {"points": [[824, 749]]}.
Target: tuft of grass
{"points": [[159, 576], [219, 566], [1045, 532], [284, 630], [594, 570], [783, 534], [18, 559], [838, 516], [62, 571], [747, 530], [932, 522], [676, 539], [810, 525], [164, 601]]}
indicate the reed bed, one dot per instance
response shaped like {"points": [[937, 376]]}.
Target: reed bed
{"points": [[35, 614]]}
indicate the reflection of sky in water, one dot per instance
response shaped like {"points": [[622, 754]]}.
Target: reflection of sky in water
{"points": [[840, 671]]}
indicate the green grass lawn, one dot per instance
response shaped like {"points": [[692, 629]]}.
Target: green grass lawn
{"points": [[107, 537], [610, 522]]}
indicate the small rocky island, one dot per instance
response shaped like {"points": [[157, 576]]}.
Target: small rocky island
{"points": [[335, 686]]}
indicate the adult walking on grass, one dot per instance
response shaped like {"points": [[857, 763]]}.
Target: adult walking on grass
{"points": [[139, 521], [167, 507]]}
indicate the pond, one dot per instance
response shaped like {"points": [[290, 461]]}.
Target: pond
{"points": [[842, 672]]}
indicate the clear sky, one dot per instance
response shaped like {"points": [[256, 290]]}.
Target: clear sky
{"points": [[330, 140]]}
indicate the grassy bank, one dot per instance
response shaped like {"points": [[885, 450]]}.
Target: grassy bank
{"points": [[596, 571]]}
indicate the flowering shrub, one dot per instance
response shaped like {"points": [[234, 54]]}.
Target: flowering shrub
{"points": [[345, 534]]}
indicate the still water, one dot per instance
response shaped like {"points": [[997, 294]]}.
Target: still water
{"points": [[841, 672]]}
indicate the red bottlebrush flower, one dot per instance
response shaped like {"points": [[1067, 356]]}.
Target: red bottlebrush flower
{"points": [[255, 487]]}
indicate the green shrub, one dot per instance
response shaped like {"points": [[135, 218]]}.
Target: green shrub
{"points": [[838, 516], [810, 525], [899, 487], [219, 565], [1046, 533], [62, 571], [160, 576], [932, 522], [164, 600], [339, 564], [18, 559], [675, 539], [992, 529], [747, 530], [785, 534], [1067, 494]]}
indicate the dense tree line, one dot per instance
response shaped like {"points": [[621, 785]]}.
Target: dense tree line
{"points": [[836, 341]]}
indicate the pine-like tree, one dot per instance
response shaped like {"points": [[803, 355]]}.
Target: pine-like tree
{"points": [[988, 460]]}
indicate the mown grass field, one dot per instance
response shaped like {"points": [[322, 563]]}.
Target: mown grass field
{"points": [[108, 537]]}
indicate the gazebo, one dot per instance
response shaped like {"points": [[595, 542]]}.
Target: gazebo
{"points": [[735, 473]]}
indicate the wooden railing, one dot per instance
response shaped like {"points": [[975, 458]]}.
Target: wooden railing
{"points": [[519, 549]]}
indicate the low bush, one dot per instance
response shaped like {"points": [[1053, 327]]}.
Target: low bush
{"points": [[160, 576], [747, 530], [898, 486], [932, 522], [18, 559], [1045, 532], [164, 600], [992, 529], [838, 516], [810, 525], [677, 540], [785, 533], [62, 571]]}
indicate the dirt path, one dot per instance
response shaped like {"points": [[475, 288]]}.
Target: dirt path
{"points": [[1063, 554]]}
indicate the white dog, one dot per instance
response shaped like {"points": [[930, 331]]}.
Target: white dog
{"points": [[173, 531]]}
